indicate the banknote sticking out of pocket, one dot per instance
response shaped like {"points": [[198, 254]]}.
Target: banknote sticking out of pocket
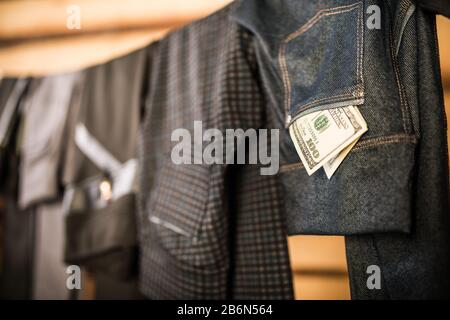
{"points": [[324, 138]]}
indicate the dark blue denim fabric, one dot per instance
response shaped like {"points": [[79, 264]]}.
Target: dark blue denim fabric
{"points": [[415, 266], [323, 56], [390, 195]]}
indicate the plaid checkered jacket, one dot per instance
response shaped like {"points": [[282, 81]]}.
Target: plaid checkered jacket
{"points": [[207, 231]]}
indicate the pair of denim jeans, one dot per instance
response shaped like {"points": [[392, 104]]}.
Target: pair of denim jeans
{"points": [[390, 195]]}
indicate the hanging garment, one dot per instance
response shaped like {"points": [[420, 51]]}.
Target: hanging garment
{"points": [[16, 279], [12, 90], [16, 271], [109, 106], [44, 117], [390, 195], [103, 237], [207, 231], [49, 271], [100, 222], [41, 149], [415, 265]]}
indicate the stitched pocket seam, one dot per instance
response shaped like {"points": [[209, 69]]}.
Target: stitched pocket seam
{"points": [[363, 145], [303, 29]]}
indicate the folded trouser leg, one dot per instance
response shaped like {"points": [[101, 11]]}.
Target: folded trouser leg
{"points": [[415, 265]]}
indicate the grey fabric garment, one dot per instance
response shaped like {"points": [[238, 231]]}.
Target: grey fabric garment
{"points": [[390, 195], [41, 144], [100, 220], [16, 277], [108, 105], [45, 111], [207, 231], [49, 275]]}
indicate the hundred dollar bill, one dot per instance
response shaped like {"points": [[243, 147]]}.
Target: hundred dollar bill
{"points": [[321, 135], [332, 164]]}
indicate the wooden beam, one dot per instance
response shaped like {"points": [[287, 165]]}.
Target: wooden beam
{"points": [[63, 54], [37, 18]]}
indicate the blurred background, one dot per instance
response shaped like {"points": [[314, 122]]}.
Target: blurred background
{"points": [[41, 37]]}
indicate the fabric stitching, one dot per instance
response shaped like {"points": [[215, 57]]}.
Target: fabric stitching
{"points": [[315, 102], [397, 80], [376, 141], [361, 44], [362, 145], [406, 19], [310, 23], [291, 167]]}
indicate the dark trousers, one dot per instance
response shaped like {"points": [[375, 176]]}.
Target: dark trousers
{"points": [[416, 265]]}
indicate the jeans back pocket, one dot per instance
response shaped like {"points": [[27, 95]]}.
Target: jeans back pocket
{"points": [[321, 62]]}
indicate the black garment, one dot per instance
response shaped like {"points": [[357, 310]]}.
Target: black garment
{"points": [[16, 276], [104, 239], [436, 6], [18, 225], [12, 91]]}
